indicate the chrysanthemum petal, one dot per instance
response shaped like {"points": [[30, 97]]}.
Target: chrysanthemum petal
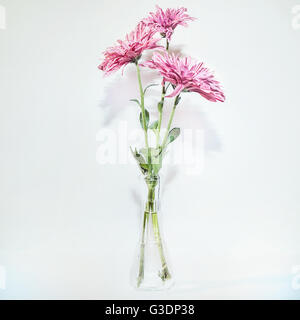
{"points": [[184, 73], [166, 21], [142, 38], [176, 91]]}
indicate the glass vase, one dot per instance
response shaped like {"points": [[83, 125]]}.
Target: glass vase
{"points": [[151, 270]]}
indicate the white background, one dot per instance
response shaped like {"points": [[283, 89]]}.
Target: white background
{"points": [[69, 226]]}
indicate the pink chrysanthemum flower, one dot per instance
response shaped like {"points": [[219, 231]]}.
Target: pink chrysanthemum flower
{"points": [[185, 74], [128, 50], [166, 21]]}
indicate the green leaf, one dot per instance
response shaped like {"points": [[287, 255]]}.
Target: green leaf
{"points": [[144, 152], [137, 156], [156, 167], [146, 119], [150, 85], [140, 160], [154, 125], [157, 160], [135, 100], [154, 154], [178, 98], [173, 134], [168, 85]]}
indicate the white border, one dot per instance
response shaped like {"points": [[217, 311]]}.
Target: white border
{"points": [[2, 18]]}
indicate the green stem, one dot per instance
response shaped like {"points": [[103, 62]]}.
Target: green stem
{"points": [[160, 110], [148, 209], [143, 114], [142, 250], [163, 93], [169, 123], [165, 274], [142, 104]]}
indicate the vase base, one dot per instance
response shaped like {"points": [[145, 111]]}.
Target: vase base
{"points": [[167, 284]]}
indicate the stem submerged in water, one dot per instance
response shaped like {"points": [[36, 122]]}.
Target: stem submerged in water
{"points": [[164, 274], [150, 217], [142, 250]]}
